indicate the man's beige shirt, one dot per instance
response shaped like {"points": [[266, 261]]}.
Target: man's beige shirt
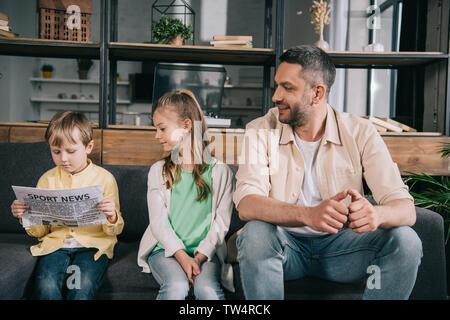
{"points": [[270, 163]]}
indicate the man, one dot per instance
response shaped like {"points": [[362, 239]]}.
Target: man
{"points": [[303, 199]]}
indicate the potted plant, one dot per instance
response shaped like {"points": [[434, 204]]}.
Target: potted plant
{"points": [[83, 67], [47, 70], [170, 31]]}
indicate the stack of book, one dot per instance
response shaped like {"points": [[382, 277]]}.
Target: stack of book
{"points": [[5, 30], [389, 125], [232, 41]]}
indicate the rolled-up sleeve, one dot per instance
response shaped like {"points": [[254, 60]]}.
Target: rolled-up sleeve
{"points": [[252, 177], [380, 171]]}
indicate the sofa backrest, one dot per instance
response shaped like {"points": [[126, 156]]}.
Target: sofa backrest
{"points": [[21, 164], [132, 183]]}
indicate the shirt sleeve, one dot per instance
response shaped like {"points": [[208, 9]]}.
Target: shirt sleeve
{"points": [[252, 176], [111, 191], [380, 171]]}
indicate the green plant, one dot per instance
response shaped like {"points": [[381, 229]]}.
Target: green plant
{"points": [[167, 28], [47, 68], [84, 64], [436, 191]]}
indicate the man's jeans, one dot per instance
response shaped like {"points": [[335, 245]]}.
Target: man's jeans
{"points": [[268, 255], [72, 274], [175, 284]]}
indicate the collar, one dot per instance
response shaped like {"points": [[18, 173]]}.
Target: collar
{"points": [[331, 129], [85, 171]]}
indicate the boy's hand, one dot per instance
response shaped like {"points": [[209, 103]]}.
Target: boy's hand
{"points": [[108, 208], [18, 208]]}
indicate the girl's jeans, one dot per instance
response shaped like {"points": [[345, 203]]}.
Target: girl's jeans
{"points": [[387, 260], [175, 284]]}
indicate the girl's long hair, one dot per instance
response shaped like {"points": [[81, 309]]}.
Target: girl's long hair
{"points": [[186, 106]]}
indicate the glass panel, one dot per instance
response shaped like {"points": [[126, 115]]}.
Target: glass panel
{"points": [[29, 96], [134, 94]]}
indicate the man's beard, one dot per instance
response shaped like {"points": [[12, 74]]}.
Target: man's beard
{"points": [[300, 114]]}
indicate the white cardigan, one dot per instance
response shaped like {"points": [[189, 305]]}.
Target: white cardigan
{"points": [[159, 229]]}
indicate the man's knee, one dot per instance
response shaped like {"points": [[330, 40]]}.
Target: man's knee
{"points": [[407, 244], [257, 236]]}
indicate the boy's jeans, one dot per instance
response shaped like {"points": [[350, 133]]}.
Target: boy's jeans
{"points": [[175, 284], [74, 270], [388, 259]]}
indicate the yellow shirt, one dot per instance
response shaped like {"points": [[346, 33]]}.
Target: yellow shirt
{"points": [[103, 237], [351, 149]]}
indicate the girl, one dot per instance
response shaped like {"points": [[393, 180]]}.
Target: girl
{"points": [[190, 204]]}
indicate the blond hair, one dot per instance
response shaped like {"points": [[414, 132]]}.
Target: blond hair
{"points": [[62, 125], [184, 104]]}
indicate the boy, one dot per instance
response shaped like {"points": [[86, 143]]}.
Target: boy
{"points": [[64, 250]]}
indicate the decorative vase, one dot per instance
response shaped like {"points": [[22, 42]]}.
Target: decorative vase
{"points": [[322, 44], [46, 74], [177, 41], [82, 74]]}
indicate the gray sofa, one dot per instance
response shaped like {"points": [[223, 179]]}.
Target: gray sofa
{"points": [[23, 163]]}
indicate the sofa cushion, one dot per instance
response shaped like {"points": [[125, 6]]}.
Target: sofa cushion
{"points": [[16, 265], [123, 278], [430, 283], [22, 165], [132, 183]]}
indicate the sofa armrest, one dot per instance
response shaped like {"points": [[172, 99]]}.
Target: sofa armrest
{"points": [[431, 280]]}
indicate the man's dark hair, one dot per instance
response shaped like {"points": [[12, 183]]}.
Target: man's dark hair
{"points": [[316, 64]]}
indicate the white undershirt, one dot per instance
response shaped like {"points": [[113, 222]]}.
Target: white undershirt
{"points": [[72, 243], [309, 195]]}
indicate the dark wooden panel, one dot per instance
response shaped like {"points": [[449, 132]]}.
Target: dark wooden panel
{"points": [[130, 147], [27, 134], [4, 134], [418, 154]]}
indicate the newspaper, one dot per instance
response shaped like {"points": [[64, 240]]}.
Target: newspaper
{"points": [[69, 207]]}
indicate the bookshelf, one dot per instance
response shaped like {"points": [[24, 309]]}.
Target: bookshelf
{"points": [[433, 64]]}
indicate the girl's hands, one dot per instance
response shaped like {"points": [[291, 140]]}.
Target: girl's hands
{"points": [[18, 208], [108, 208], [189, 265]]}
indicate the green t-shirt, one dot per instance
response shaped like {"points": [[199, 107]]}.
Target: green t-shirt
{"points": [[189, 218]]}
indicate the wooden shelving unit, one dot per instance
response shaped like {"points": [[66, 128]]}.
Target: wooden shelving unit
{"points": [[109, 51], [385, 60], [49, 48], [190, 54]]}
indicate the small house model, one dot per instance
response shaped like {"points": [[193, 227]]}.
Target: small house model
{"points": [[65, 19]]}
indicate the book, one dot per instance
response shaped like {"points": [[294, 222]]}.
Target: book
{"points": [[384, 124], [221, 38], [230, 42], [3, 22], [233, 46], [4, 16], [6, 28], [398, 124], [379, 128], [8, 34]]}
